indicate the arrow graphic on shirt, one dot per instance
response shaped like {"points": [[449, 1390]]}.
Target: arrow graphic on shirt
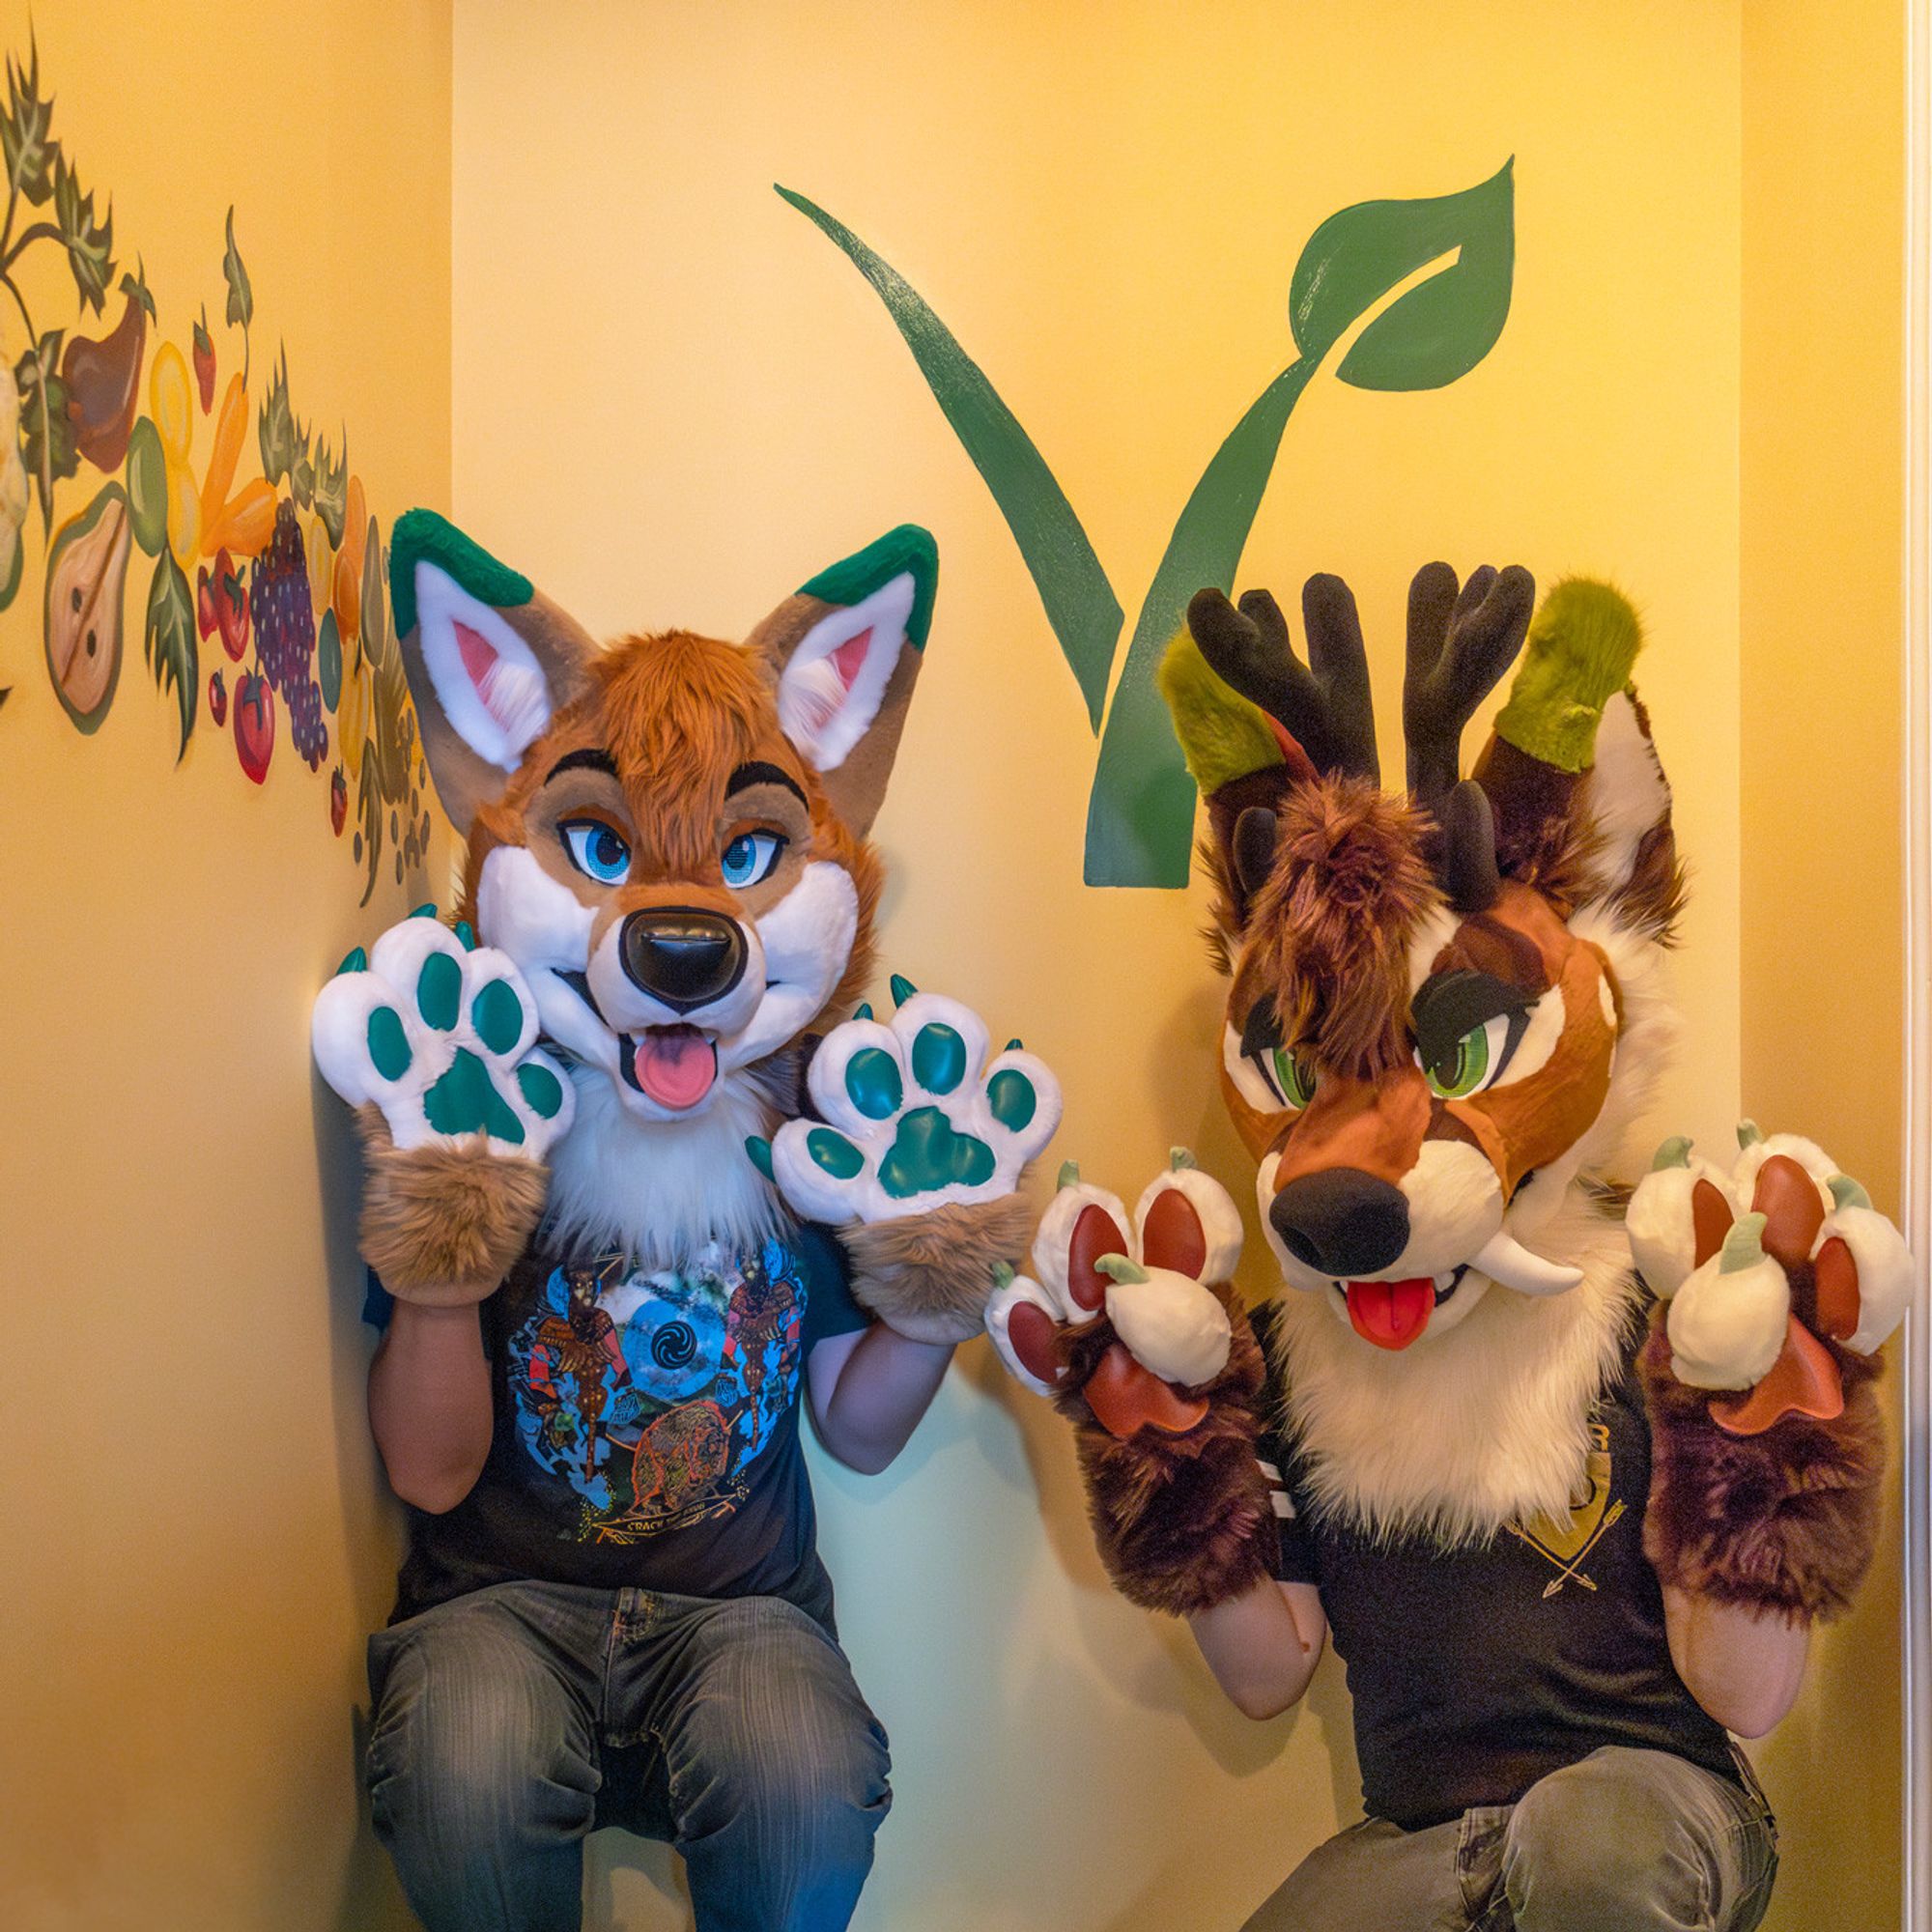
{"points": [[1549, 1589]]}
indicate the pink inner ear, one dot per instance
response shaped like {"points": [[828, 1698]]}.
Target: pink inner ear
{"points": [[850, 656], [479, 659]]}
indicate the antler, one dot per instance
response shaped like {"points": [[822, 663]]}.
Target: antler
{"points": [[1460, 645], [1325, 704]]}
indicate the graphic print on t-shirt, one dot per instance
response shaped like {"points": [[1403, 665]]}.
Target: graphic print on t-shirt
{"points": [[650, 1392], [1568, 1542]]}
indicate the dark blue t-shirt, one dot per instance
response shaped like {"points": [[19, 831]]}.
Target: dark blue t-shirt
{"points": [[646, 1428]]}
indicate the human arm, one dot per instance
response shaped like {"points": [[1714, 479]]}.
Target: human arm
{"points": [[1744, 1666], [1263, 1644], [429, 1402], [869, 1390]]}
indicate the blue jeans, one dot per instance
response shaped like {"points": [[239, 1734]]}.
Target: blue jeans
{"points": [[1623, 1841], [511, 1723]]}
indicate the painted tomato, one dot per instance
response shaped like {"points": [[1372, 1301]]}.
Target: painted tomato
{"points": [[254, 723], [338, 801], [217, 699]]}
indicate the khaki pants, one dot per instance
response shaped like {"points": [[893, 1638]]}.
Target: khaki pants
{"points": [[1624, 1841]]}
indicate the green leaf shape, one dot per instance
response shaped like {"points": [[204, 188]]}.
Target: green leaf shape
{"points": [[331, 489], [89, 243], [928, 1152], [24, 140], [274, 423], [241, 294], [47, 432], [169, 645], [1140, 814], [388, 1044], [541, 1088], [834, 1153], [1223, 735], [421, 536], [1437, 330], [1080, 605], [498, 1015], [135, 285], [873, 1081], [938, 1058], [1011, 1097], [855, 578]]}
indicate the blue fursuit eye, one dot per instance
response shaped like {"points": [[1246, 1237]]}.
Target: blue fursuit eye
{"points": [[752, 856], [595, 851]]}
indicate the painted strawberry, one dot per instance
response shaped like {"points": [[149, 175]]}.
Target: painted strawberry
{"points": [[218, 698], [338, 801], [230, 606], [254, 725], [204, 604]]}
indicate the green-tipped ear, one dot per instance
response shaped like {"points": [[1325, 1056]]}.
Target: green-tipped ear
{"points": [[1222, 736], [421, 536], [843, 651], [1582, 644], [907, 550], [488, 656]]}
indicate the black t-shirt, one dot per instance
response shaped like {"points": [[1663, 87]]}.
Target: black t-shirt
{"points": [[647, 1429], [1477, 1671]]}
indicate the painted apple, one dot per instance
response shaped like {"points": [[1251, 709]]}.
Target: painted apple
{"points": [[230, 598], [254, 723]]}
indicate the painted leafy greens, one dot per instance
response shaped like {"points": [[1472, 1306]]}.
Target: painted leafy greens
{"points": [[1141, 807]]}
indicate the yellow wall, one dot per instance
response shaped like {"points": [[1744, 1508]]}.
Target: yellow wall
{"points": [[673, 400], [196, 1544], [1819, 577]]}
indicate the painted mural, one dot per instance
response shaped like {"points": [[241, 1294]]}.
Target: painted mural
{"points": [[254, 576], [1439, 325]]}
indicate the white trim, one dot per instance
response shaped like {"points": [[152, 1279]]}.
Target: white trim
{"points": [[1915, 1345]]}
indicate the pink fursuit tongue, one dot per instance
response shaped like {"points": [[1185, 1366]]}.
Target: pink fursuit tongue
{"points": [[675, 1066]]}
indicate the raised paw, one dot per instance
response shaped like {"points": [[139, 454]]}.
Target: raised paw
{"points": [[1757, 1265], [440, 1035], [914, 1116], [1121, 1312]]}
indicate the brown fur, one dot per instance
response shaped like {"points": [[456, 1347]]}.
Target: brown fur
{"points": [[1785, 1520], [443, 1225], [1334, 923], [929, 1275], [1183, 1523]]}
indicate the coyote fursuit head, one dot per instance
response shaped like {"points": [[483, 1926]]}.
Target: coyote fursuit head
{"points": [[667, 883], [1444, 1008]]}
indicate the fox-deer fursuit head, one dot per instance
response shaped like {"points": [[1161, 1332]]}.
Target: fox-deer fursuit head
{"points": [[1445, 1007], [667, 882]]}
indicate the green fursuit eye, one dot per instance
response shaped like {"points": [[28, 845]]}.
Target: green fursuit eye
{"points": [[1464, 1069], [1292, 1076]]}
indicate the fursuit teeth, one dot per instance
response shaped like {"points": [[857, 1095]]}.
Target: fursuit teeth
{"points": [[442, 1224], [929, 1276], [1183, 1522], [1784, 1521]]}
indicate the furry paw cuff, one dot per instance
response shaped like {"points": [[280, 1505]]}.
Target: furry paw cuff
{"points": [[443, 1225], [930, 1275], [1784, 1521], [1184, 1521]]}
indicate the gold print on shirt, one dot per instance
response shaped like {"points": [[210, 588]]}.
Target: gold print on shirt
{"points": [[1568, 1542]]}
